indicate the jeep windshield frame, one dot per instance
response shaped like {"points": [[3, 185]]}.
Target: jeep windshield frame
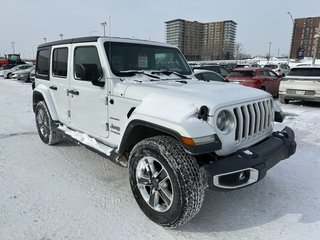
{"points": [[125, 58]]}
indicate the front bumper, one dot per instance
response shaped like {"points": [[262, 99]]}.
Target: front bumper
{"points": [[248, 166]]}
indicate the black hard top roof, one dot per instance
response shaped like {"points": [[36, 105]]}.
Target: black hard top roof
{"points": [[71, 40]]}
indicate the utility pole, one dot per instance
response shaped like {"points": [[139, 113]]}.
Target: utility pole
{"points": [[12, 44], [103, 24]]}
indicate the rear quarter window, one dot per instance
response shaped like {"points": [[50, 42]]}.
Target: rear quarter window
{"points": [[43, 64]]}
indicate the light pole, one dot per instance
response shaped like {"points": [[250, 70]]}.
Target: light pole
{"points": [[291, 17], [269, 50], [61, 35], [289, 13], [12, 44], [45, 40], [103, 24]]}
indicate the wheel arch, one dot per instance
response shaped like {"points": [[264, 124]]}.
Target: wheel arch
{"points": [[42, 94], [137, 130]]}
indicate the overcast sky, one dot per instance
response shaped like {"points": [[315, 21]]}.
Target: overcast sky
{"points": [[27, 22]]}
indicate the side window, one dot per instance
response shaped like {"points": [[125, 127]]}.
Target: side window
{"points": [[212, 77], [87, 65], [272, 74], [43, 63], [60, 62], [265, 73], [224, 72]]}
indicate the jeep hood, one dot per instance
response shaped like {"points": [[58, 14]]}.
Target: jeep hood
{"points": [[212, 94]]}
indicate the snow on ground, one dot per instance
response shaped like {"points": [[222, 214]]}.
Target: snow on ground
{"points": [[68, 192]]}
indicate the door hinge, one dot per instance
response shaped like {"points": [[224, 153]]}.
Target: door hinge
{"points": [[106, 101], [69, 113], [107, 126]]}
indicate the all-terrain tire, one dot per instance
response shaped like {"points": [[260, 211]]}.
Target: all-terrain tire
{"points": [[186, 182], [46, 127]]}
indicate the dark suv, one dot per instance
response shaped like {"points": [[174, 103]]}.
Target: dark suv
{"points": [[216, 68]]}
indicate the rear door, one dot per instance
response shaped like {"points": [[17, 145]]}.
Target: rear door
{"points": [[59, 81], [88, 103]]}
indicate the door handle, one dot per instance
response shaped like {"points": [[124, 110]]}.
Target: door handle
{"points": [[74, 92], [53, 87]]}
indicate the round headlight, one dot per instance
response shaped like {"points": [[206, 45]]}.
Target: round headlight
{"points": [[223, 120]]}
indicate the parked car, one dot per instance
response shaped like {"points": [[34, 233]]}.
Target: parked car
{"points": [[207, 75], [282, 69], [124, 99], [262, 78], [23, 75], [302, 83], [216, 68], [8, 72]]}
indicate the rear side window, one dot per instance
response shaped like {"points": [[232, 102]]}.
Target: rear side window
{"points": [[60, 62], [271, 66], [86, 63], [306, 72], [242, 74], [43, 63]]}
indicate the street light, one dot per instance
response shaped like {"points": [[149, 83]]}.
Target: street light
{"points": [[12, 44], [45, 39], [61, 35], [291, 17], [103, 24]]}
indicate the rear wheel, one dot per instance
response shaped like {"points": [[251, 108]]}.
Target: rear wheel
{"points": [[47, 129], [165, 181]]}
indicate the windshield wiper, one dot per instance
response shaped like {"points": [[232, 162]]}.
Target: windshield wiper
{"points": [[134, 72], [167, 72]]}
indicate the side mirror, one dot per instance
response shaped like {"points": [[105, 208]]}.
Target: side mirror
{"points": [[90, 72]]}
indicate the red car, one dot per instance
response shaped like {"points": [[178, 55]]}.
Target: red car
{"points": [[261, 78]]}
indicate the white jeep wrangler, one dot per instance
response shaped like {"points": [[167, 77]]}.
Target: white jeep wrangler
{"points": [[138, 104]]}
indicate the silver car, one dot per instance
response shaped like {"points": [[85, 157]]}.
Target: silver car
{"points": [[302, 83], [23, 75], [9, 72]]}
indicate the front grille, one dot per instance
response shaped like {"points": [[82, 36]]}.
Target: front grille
{"points": [[252, 120]]}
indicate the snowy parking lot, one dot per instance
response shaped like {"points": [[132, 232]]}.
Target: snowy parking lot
{"points": [[68, 192]]}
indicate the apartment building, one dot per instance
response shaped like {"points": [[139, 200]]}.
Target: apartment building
{"points": [[202, 41], [304, 37]]}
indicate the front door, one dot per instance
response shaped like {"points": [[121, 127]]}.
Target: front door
{"points": [[88, 103]]}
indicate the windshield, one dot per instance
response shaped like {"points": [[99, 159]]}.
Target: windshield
{"points": [[141, 57], [241, 74], [306, 72]]}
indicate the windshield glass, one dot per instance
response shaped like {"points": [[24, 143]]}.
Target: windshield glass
{"points": [[241, 74], [307, 72], [141, 57]]}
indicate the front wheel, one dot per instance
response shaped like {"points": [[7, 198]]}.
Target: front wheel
{"points": [[283, 100], [165, 181]]}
